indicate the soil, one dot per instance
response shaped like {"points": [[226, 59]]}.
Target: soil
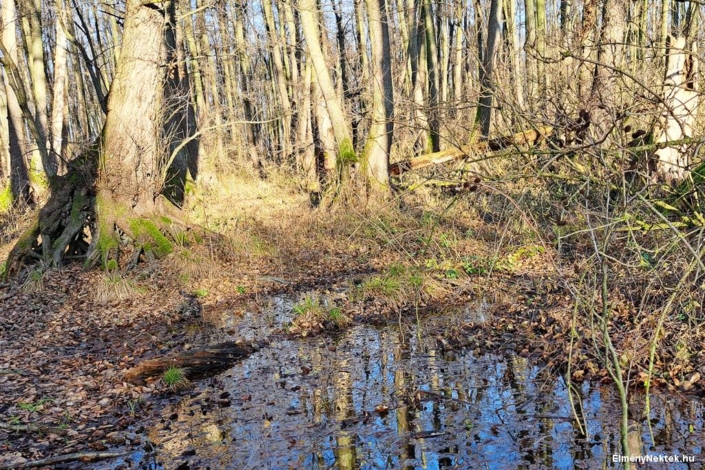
{"points": [[65, 346]]}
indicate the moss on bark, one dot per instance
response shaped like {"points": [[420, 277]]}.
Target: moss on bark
{"points": [[6, 199]]}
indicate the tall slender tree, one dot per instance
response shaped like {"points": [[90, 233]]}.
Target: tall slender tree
{"points": [[379, 142]]}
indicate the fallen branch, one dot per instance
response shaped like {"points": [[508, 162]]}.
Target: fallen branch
{"points": [[83, 456], [38, 428], [522, 139]]}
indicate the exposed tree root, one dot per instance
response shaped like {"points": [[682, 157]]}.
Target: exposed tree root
{"points": [[59, 230], [78, 223]]}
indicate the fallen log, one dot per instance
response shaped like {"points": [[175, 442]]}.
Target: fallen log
{"points": [[528, 138], [82, 456], [197, 364]]}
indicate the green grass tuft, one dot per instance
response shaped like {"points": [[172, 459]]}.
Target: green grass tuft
{"points": [[175, 378]]}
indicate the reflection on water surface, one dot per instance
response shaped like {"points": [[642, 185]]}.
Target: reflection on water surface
{"points": [[374, 398]]}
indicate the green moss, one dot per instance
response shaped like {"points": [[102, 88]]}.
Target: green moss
{"points": [[148, 231], [107, 241], [190, 186], [37, 176], [346, 153], [111, 265], [6, 199]]}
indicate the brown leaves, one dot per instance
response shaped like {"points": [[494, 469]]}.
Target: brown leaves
{"points": [[62, 358]]}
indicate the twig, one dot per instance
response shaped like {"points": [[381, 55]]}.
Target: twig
{"points": [[84, 456], [40, 428]]}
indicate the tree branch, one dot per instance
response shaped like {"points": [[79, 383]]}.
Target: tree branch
{"points": [[83, 456]]}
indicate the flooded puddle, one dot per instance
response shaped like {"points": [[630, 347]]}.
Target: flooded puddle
{"points": [[388, 398]]}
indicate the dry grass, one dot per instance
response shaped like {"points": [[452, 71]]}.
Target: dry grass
{"points": [[115, 287]]}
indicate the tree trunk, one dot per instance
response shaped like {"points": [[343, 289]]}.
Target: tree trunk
{"points": [[15, 112], [458, 69], [419, 76], [379, 141], [114, 189], [513, 52], [32, 18], [280, 78], [60, 85], [433, 74], [487, 83], [681, 98], [529, 49], [309, 23], [540, 9]]}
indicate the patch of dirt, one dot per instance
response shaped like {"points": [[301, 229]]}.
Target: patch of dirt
{"points": [[63, 357]]}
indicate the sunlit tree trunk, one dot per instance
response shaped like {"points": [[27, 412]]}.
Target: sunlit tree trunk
{"points": [[280, 78], [663, 28], [15, 143], [6, 195], [513, 52], [228, 74], [245, 71], [309, 23], [540, 10], [682, 100], [210, 82], [419, 74], [305, 134], [196, 69], [531, 66], [401, 9], [60, 84], [44, 160], [458, 65], [379, 141], [444, 50]]}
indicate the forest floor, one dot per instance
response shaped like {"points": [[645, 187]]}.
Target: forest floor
{"points": [[67, 336]]}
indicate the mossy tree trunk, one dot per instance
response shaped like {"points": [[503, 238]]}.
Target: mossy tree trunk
{"points": [[113, 193]]}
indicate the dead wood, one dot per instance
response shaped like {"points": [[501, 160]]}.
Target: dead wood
{"points": [[83, 456], [197, 364], [37, 428], [527, 138]]}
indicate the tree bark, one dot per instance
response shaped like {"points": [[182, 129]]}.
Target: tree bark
{"points": [[115, 188], [487, 83], [682, 100], [379, 141], [433, 76], [309, 23], [60, 85], [280, 78]]}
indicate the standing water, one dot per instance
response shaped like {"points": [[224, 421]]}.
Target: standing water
{"points": [[388, 398]]}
